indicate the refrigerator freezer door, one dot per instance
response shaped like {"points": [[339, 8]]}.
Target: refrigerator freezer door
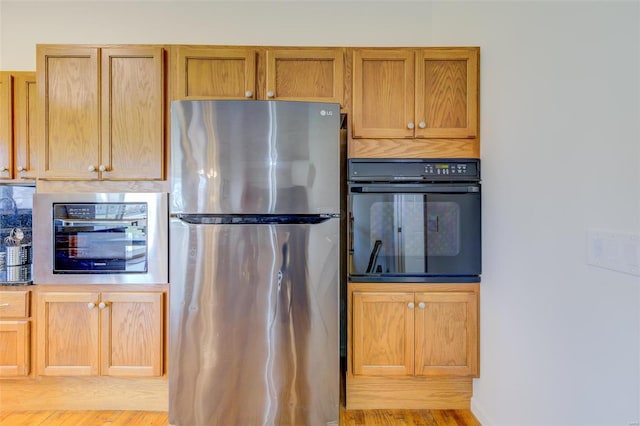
{"points": [[254, 324], [255, 157]]}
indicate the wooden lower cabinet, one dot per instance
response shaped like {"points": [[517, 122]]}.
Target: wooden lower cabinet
{"points": [[412, 345], [90, 333], [14, 333]]}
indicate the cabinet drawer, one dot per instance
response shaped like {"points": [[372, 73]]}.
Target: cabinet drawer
{"points": [[14, 304]]}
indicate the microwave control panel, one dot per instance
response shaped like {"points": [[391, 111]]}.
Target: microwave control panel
{"points": [[394, 170]]}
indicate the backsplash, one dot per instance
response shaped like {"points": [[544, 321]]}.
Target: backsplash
{"points": [[16, 213]]}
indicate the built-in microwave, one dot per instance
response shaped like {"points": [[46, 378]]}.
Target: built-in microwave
{"points": [[100, 238], [414, 220]]}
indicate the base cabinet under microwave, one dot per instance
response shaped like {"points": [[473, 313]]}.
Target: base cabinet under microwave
{"points": [[101, 238]]}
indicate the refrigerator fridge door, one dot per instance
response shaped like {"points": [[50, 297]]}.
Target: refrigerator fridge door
{"points": [[254, 324], [257, 157]]}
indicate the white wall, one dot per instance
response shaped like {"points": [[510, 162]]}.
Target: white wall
{"points": [[560, 126]]}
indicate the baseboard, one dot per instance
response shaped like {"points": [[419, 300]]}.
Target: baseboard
{"points": [[84, 393], [479, 413]]}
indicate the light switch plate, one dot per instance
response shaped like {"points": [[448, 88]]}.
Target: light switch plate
{"points": [[614, 250]]}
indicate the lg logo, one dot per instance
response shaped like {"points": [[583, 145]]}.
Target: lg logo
{"points": [[325, 113]]}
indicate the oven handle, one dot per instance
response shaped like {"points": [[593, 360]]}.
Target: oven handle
{"points": [[399, 188]]}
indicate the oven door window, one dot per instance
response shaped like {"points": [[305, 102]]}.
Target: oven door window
{"points": [[100, 238], [415, 234]]}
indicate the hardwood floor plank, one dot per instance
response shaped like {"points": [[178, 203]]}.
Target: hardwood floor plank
{"points": [[160, 418]]}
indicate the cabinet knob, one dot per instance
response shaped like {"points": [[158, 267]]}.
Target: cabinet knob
{"points": [[102, 305], [421, 305], [248, 94], [91, 168], [4, 169], [270, 94], [91, 305], [410, 125], [422, 125], [102, 167], [21, 169], [411, 305]]}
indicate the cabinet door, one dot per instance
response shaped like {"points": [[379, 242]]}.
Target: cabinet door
{"points": [[447, 334], [305, 75], [447, 93], [67, 333], [132, 113], [6, 125], [131, 334], [68, 93], [383, 93], [383, 327], [215, 73], [14, 348], [25, 105]]}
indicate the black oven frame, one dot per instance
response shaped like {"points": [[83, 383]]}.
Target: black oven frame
{"points": [[420, 176]]}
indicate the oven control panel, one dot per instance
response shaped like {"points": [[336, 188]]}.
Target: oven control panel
{"points": [[405, 170]]}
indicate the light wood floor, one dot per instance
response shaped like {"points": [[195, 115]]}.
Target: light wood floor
{"points": [[155, 418]]}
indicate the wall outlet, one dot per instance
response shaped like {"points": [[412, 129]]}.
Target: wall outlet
{"points": [[614, 250]]}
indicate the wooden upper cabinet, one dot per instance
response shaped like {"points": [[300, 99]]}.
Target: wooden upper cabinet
{"points": [[408, 93], [68, 92], [383, 93], [305, 74], [446, 334], [294, 74], [133, 110], [103, 112], [215, 72], [447, 93], [25, 126], [6, 124], [18, 106]]}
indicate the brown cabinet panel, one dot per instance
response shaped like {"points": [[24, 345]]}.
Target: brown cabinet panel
{"points": [[447, 93], [25, 126], [14, 348], [18, 103], [69, 97], [14, 304], [211, 72], [132, 334], [6, 124], [446, 334], [305, 74], [67, 333], [15, 334], [94, 333], [103, 112], [383, 328], [383, 93], [413, 330], [132, 113]]}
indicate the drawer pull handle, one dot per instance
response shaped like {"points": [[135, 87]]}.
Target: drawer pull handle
{"points": [[4, 305]]}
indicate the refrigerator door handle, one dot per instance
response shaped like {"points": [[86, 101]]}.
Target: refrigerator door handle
{"points": [[252, 219]]}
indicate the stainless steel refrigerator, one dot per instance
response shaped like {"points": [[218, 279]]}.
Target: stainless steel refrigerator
{"points": [[254, 263]]}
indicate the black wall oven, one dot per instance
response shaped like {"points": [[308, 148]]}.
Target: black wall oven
{"points": [[414, 220]]}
